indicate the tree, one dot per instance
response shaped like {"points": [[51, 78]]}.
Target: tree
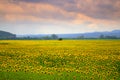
{"points": [[81, 37], [102, 36], [110, 37], [60, 39], [53, 36], [46, 37]]}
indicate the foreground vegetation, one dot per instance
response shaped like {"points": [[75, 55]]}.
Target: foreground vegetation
{"points": [[60, 60]]}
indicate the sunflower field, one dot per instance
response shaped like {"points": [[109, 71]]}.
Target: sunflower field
{"points": [[59, 60]]}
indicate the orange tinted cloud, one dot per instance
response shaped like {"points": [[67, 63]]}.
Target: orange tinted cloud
{"points": [[30, 11], [74, 11]]}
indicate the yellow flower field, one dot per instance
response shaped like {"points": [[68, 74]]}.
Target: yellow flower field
{"points": [[60, 60]]}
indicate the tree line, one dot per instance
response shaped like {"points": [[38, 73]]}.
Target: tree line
{"points": [[52, 37], [100, 37]]}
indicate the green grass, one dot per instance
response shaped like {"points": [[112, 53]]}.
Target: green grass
{"points": [[24, 76]]}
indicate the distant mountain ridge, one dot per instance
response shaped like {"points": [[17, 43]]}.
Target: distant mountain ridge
{"points": [[6, 35], [76, 35]]}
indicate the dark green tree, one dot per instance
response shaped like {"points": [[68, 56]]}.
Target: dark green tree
{"points": [[53, 36], [81, 37], [60, 39], [102, 36]]}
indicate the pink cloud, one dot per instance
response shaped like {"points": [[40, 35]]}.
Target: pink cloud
{"points": [[37, 12]]}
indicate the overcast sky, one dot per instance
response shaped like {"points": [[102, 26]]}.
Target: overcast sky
{"points": [[59, 16]]}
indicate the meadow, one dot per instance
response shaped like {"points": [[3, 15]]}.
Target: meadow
{"points": [[59, 60]]}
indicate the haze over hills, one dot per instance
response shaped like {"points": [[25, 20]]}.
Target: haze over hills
{"points": [[76, 35], [114, 33]]}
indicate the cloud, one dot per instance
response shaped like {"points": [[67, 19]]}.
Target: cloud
{"points": [[100, 9], [70, 11], [33, 11]]}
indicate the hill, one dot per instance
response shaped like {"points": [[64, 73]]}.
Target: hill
{"points": [[7, 35]]}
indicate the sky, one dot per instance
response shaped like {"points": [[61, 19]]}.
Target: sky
{"points": [[59, 16]]}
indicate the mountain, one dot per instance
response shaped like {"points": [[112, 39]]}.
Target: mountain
{"points": [[6, 35], [76, 35], [106, 33], [92, 34]]}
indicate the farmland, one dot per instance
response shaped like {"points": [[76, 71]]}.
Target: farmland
{"points": [[60, 60]]}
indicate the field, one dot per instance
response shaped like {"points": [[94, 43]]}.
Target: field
{"points": [[60, 60]]}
